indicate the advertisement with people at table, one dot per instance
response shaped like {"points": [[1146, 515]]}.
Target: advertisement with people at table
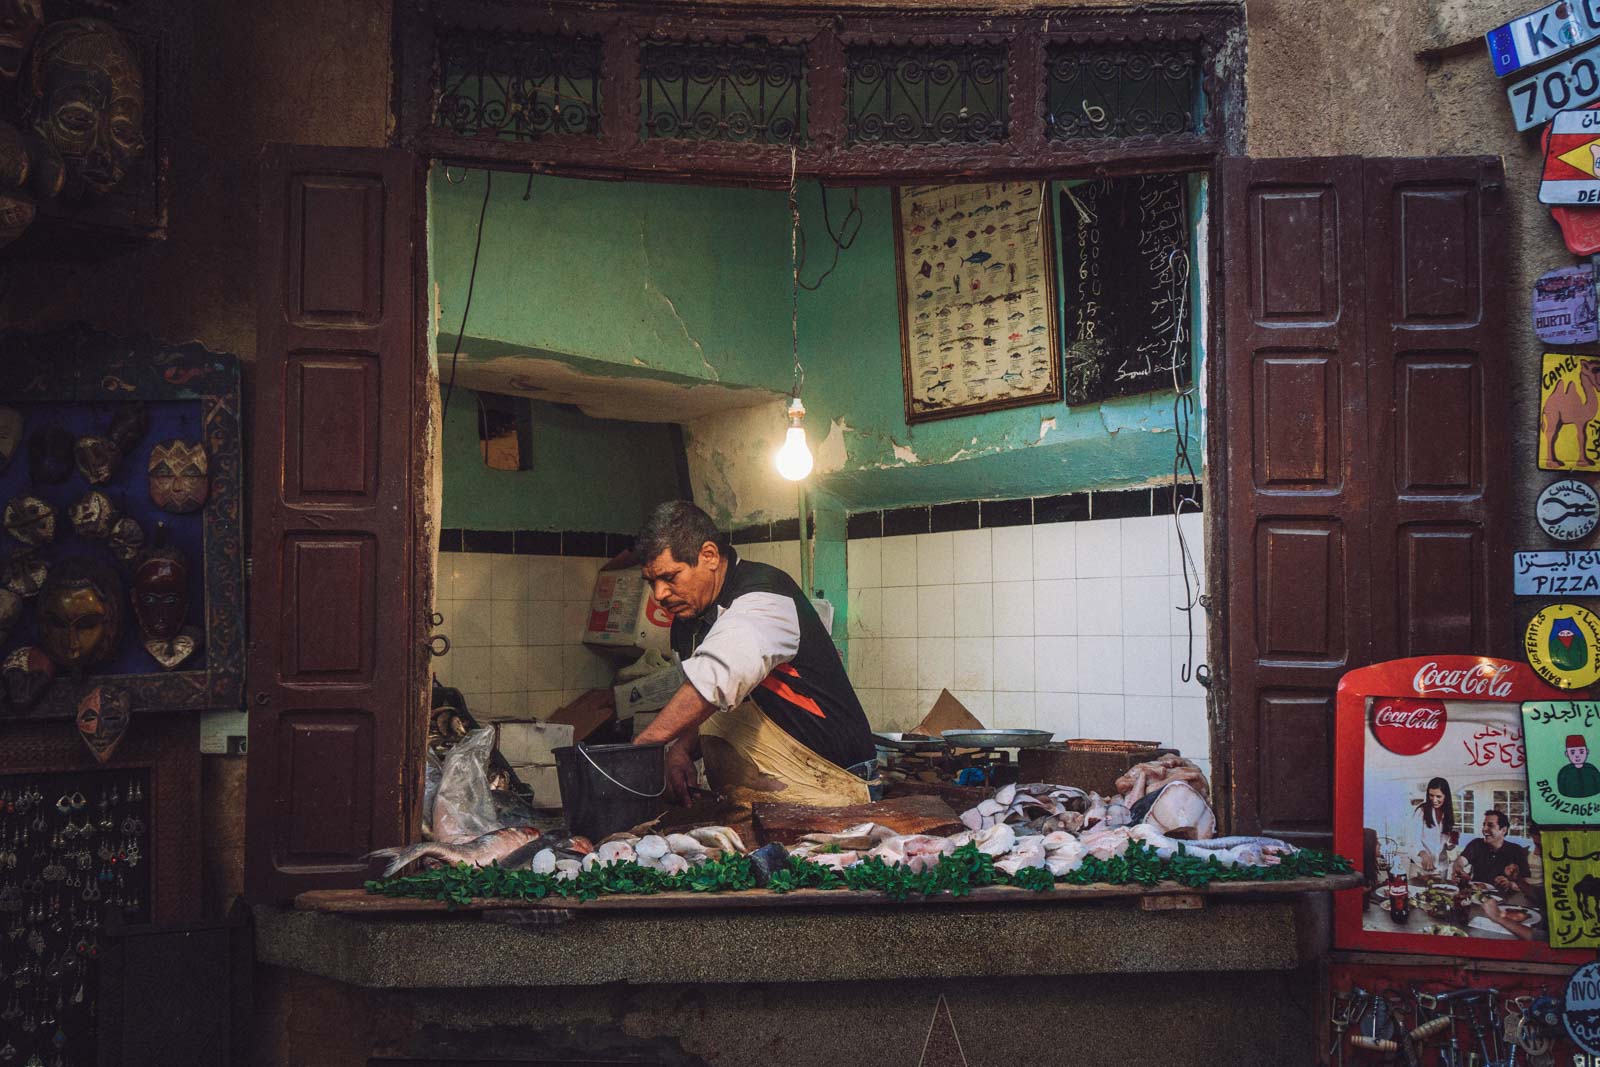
{"points": [[1432, 803]]}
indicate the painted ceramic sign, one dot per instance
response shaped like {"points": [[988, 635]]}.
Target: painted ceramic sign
{"points": [[1556, 573], [1569, 399], [1564, 310], [1568, 510], [1569, 159], [1562, 642], [1572, 887], [1540, 97], [1582, 1017], [1563, 783]]}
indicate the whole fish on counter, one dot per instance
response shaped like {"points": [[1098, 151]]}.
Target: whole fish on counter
{"points": [[479, 852]]}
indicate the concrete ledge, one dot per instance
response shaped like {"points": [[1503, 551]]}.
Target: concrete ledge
{"points": [[1114, 937]]}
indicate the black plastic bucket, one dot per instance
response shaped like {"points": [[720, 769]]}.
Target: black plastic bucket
{"points": [[609, 788]]}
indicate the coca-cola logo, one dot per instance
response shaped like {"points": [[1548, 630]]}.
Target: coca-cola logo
{"points": [[1481, 680], [1408, 727]]}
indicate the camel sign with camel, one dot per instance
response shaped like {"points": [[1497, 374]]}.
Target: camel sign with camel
{"points": [[1569, 398]]}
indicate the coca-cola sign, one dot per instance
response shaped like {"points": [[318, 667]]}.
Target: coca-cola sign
{"points": [[1481, 681], [1408, 727]]}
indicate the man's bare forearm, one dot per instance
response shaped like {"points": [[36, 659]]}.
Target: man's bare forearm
{"points": [[681, 718]]}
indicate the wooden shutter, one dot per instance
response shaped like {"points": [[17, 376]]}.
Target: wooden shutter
{"points": [[1365, 501], [332, 647]]}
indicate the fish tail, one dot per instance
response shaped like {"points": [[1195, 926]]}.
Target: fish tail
{"points": [[400, 856]]}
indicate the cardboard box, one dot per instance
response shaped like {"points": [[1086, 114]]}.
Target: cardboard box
{"points": [[649, 693], [624, 616], [525, 743], [586, 714]]}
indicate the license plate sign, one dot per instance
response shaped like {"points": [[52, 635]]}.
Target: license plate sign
{"points": [[1545, 34], [1569, 84]]}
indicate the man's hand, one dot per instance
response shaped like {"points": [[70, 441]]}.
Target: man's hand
{"points": [[1426, 861], [681, 776]]}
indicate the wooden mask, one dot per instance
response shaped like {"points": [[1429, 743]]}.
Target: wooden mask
{"points": [[161, 593], [30, 520], [80, 614], [10, 612], [96, 458], [19, 25], [129, 424], [93, 516], [85, 96], [103, 715], [179, 476], [28, 672], [24, 574], [10, 432], [127, 539]]}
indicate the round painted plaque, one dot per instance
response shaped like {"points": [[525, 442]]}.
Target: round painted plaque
{"points": [[1568, 510], [1562, 644]]}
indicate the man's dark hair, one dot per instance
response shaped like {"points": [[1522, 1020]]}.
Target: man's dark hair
{"points": [[681, 527], [1500, 818]]}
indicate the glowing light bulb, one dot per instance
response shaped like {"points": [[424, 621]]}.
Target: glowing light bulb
{"points": [[794, 458]]}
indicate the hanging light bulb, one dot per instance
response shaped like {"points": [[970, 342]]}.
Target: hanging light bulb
{"points": [[794, 458]]}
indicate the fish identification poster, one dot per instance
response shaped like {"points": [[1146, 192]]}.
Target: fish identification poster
{"points": [[977, 306]]}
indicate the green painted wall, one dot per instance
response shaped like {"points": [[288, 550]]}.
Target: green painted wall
{"points": [[686, 281], [691, 283], [587, 474]]}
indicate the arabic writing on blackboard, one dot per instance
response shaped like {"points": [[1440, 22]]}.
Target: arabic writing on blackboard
{"points": [[1125, 266]]}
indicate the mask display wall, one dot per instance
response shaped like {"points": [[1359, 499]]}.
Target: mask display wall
{"points": [[93, 515], [96, 458], [179, 476], [103, 715], [127, 539], [24, 574], [85, 97], [80, 614]]}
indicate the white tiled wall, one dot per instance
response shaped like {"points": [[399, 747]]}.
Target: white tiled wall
{"points": [[1070, 627], [515, 623], [784, 555]]}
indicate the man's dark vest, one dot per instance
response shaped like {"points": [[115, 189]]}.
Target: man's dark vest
{"points": [[809, 697]]}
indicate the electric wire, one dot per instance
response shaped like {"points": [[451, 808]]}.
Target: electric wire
{"points": [[472, 278], [850, 225], [1183, 472], [794, 267]]}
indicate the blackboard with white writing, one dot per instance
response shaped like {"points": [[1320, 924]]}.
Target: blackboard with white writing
{"points": [[1125, 273]]}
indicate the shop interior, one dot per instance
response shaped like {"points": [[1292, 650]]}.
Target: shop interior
{"points": [[1043, 563]]}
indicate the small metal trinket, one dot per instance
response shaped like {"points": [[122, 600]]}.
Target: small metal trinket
{"points": [[30, 520]]}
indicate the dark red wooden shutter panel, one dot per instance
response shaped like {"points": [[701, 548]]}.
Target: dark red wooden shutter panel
{"points": [[1365, 492], [331, 629], [1437, 371], [1297, 505]]}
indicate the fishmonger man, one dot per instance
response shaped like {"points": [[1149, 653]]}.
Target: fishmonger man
{"points": [[767, 703]]}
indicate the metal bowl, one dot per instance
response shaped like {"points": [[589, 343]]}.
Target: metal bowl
{"points": [[996, 738], [913, 743]]}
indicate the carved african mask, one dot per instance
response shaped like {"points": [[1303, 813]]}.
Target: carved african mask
{"points": [[25, 575], [49, 455], [30, 520], [179, 480], [96, 458], [86, 98], [10, 435], [93, 515], [28, 672], [103, 715], [128, 425], [10, 612], [161, 593], [19, 25], [80, 614], [127, 539]]}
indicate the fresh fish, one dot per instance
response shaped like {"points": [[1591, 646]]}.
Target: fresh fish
{"points": [[767, 861], [480, 851], [723, 837]]}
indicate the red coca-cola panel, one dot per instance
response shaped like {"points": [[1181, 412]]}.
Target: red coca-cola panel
{"points": [[1422, 709]]}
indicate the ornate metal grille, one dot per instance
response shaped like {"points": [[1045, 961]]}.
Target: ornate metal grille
{"points": [[1122, 90], [753, 91], [518, 87], [900, 95]]}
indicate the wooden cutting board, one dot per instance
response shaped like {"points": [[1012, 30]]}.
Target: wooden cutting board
{"points": [[788, 823]]}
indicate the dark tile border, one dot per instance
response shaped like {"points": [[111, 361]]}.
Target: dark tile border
{"points": [[1022, 511], [591, 543], [759, 533]]}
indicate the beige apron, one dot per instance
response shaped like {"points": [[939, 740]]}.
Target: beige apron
{"points": [[743, 749]]}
